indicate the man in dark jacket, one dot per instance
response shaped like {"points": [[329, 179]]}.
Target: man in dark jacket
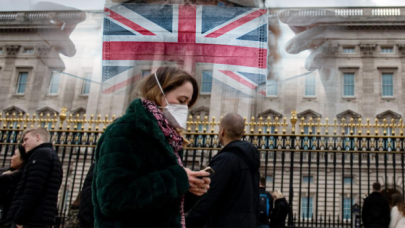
{"points": [[265, 205], [34, 202], [233, 196], [376, 209]]}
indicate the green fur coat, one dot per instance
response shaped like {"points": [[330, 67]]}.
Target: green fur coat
{"points": [[137, 179]]}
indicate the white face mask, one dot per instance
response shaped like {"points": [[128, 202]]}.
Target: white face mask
{"points": [[175, 114]]}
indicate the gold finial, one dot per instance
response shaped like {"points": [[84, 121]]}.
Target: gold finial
{"points": [[293, 120], [189, 123], [213, 124], [62, 115]]}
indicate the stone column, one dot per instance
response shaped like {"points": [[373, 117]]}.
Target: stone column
{"points": [[368, 76]]}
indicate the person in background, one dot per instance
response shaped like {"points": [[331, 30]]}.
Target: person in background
{"points": [[397, 211], [265, 205], [139, 179], [280, 211], [35, 199], [72, 220], [9, 181], [86, 215], [376, 209], [233, 198]]}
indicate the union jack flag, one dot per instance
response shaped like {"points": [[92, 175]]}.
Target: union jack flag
{"points": [[234, 39]]}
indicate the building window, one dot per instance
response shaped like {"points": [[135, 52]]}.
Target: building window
{"points": [[387, 85], [347, 208], [145, 73], [22, 82], [54, 85], [306, 207], [387, 50], [269, 180], [28, 50], [310, 85], [206, 82], [348, 85], [86, 84], [347, 180], [272, 88], [1, 51], [307, 179], [349, 50]]}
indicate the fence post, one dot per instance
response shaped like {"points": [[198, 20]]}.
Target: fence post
{"points": [[293, 120]]}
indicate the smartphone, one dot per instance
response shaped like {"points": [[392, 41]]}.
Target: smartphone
{"points": [[209, 170]]}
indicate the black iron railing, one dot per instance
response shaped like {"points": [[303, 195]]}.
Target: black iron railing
{"points": [[321, 173]]}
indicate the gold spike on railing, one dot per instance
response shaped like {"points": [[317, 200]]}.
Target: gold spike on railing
{"points": [[260, 124], [368, 126], [393, 126], [268, 125], [6, 121], [197, 123], [318, 126], [105, 122], [343, 126], [98, 121], [189, 123], [84, 121], [20, 120], [376, 126], [276, 124], [384, 125], [205, 124], [301, 125], [285, 125], [213, 124], [293, 121], [252, 125], [359, 126], [335, 125], [91, 122], [351, 126]]}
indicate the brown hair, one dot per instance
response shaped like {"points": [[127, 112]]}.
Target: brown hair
{"points": [[45, 136], [398, 200], [169, 78], [263, 181]]}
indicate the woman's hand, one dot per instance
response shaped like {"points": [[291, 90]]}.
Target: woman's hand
{"points": [[203, 188], [198, 186]]}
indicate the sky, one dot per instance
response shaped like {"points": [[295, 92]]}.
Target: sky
{"points": [[26, 5]]}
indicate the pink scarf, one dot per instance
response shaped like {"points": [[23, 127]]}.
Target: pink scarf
{"points": [[174, 139]]}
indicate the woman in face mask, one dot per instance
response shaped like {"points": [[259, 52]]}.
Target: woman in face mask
{"points": [[139, 179]]}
